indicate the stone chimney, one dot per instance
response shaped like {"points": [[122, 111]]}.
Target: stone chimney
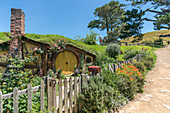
{"points": [[17, 22]]}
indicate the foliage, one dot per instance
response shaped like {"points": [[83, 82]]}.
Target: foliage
{"points": [[59, 45], [162, 17], [96, 96], [130, 54], [131, 80], [109, 16], [91, 38], [18, 78], [113, 50], [139, 66], [102, 59], [148, 63], [133, 23]]}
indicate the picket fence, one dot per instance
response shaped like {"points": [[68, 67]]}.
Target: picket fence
{"points": [[57, 101], [113, 67]]}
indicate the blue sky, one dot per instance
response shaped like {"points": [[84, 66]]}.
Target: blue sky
{"points": [[68, 18]]}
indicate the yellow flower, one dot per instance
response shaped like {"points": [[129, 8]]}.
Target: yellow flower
{"points": [[134, 60]]}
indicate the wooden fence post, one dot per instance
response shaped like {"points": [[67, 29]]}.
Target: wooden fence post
{"points": [[80, 106], [65, 96], [115, 66], [15, 100], [84, 79], [75, 94], [71, 96], [60, 96], [54, 95], [1, 98], [42, 96], [49, 94], [29, 106]]}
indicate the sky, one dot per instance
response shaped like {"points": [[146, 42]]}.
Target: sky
{"points": [[68, 18]]}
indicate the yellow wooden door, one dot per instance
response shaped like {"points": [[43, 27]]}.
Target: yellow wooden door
{"points": [[67, 60]]}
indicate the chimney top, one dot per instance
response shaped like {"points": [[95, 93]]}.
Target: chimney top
{"points": [[17, 22]]}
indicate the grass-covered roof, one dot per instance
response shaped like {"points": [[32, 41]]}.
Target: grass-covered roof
{"points": [[50, 39]]}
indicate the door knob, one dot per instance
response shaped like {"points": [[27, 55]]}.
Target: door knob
{"points": [[66, 62]]}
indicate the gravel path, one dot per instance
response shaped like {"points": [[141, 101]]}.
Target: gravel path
{"points": [[156, 97]]}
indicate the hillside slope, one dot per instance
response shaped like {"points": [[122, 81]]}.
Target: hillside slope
{"points": [[149, 37], [95, 49]]}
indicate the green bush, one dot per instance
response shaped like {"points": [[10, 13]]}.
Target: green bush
{"points": [[113, 50], [96, 96], [130, 54], [102, 58], [139, 65], [148, 64]]}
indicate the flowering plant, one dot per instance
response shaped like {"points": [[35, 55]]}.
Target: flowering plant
{"points": [[57, 46], [131, 80], [38, 50]]}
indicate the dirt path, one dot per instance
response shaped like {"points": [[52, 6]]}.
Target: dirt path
{"points": [[156, 98]]}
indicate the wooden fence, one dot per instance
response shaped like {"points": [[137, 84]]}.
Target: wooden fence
{"points": [[113, 67], [156, 43], [64, 99]]}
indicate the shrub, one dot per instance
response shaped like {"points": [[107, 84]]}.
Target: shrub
{"points": [[113, 50], [96, 96], [131, 80], [139, 66], [102, 58], [148, 64], [130, 54]]}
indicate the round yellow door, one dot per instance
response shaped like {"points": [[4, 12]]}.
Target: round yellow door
{"points": [[67, 60]]}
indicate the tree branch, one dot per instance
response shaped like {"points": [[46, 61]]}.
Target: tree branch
{"points": [[147, 19], [153, 11]]}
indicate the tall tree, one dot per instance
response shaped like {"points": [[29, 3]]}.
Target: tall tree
{"points": [[109, 16], [133, 23], [161, 9]]}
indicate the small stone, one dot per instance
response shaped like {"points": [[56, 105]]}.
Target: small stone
{"points": [[166, 106], [149, 95], [164, 91], [168, 78]]}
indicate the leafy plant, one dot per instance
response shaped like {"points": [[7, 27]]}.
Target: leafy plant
{"points": [[96, 96], [113, 50], [139, 66]]}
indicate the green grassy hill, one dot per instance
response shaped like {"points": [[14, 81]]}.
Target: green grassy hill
{"points": [[53, 38], [149, 37]]}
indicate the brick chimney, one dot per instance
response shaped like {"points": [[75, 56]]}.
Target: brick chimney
{"points": [[17, 22]]}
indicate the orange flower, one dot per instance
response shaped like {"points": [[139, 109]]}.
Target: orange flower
{"points": [[139, 73], [118, 69], [127, 72], [131, 78], [145, 86], [130, 73], [121, 71]]}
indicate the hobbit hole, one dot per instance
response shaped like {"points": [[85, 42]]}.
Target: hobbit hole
{"points": [[69, 58]]}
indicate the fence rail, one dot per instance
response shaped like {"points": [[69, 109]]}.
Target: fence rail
{"points": [[64, 99]]}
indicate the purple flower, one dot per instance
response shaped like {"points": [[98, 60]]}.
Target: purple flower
{"points": [[127, 87]]}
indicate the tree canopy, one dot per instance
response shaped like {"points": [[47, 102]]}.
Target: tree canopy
{"points": [[109, 16], [161, 10]]}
